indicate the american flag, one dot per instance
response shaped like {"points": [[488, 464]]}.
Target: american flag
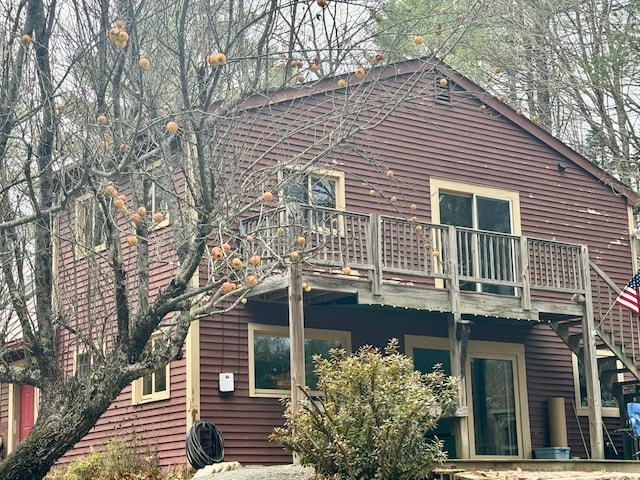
{"points": [[630, 295]]}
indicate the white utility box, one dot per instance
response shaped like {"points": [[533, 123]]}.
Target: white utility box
{"points": [[225, 383]]}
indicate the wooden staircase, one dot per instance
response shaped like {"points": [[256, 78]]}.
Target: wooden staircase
{"points": [[617, 335]]}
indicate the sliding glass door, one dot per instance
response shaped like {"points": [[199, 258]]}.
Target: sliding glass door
{"points": [[496, 395]]}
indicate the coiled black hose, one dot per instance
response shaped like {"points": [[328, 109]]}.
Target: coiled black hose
{"points": [[205, 445]]}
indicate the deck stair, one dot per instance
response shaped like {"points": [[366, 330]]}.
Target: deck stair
{"points": [[617, 332]]}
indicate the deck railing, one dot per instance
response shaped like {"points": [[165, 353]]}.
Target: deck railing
{"points": [[384, 248]]}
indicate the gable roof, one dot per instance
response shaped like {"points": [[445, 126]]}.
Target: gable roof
{"points": [[433, 64]]}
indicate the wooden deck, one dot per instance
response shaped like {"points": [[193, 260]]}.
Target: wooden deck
{"points": [[352, 258], [411, 264]]}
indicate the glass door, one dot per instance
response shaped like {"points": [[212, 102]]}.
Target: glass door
{"points": [[496, 394], [481, 256], [495, 420], [424, 359]]}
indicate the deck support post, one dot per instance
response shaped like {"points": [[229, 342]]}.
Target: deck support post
{"points": [[457, 349], [374, 242], [296, 334], [590, 359]]}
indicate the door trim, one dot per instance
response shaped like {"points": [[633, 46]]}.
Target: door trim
{"points": [[487, 349]]}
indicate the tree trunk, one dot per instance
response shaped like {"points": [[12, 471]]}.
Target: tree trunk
{"points": [[63, 420]]}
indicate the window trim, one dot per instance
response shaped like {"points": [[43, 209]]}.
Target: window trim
{"points": [[583, 410], [336, 175], [81, 244], [492, 350], [137, 397], [344, 336], [82, 351], [438, 185], [152, 200]]}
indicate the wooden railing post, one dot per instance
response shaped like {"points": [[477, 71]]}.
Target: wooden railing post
{"points": [[457, 347], [590, 359], [374, 242], [525, 274]]}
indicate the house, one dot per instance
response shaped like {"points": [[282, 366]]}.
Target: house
{"points": [[451, 222]]}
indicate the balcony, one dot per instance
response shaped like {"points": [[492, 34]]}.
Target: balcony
{"points": [[412, 264]]}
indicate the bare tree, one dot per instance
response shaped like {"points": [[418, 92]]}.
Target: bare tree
{"points": [[570, 65], [117, 119]]}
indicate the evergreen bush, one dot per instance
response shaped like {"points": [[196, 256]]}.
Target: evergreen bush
{"points": [[370, 418]]}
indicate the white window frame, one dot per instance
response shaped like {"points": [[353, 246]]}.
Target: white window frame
{"points": [[137, 387], [83, 245], [583, 410], [343, 336]]}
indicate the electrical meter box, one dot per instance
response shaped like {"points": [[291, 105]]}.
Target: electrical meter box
{"points": [[225, 383]]}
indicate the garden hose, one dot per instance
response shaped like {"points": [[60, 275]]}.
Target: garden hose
{"points": [[205, 445]]}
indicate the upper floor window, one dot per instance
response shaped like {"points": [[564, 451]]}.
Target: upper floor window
{"points": [[490, 256], [84, 362], [89, 226], [315, 190], [158, 203], [318, 188], [154, 385]]}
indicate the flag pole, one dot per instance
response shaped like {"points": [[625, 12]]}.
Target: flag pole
{"points": [[606, 315]]}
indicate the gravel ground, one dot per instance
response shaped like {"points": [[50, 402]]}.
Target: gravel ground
{"points": [[296, 472], [279, 472]]}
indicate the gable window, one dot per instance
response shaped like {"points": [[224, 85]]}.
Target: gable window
{"points": [[155, 385], [317, 189], [269, 357], [89, 226], [488, 219]]}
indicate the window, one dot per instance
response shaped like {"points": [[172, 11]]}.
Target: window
{"points": [[496, 393], [317, 188], [486, 256], [84, 362], [90, 226], [269, 362], [157, 197], [609, 402], [152, 386]]}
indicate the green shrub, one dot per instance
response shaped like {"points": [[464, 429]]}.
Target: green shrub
{"points": [[371, 419], [119, 461]]}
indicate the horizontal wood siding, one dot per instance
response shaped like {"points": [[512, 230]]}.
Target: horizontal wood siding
{"points": [[4, 417], [246, 422], [86, 300], [419, 140]]}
